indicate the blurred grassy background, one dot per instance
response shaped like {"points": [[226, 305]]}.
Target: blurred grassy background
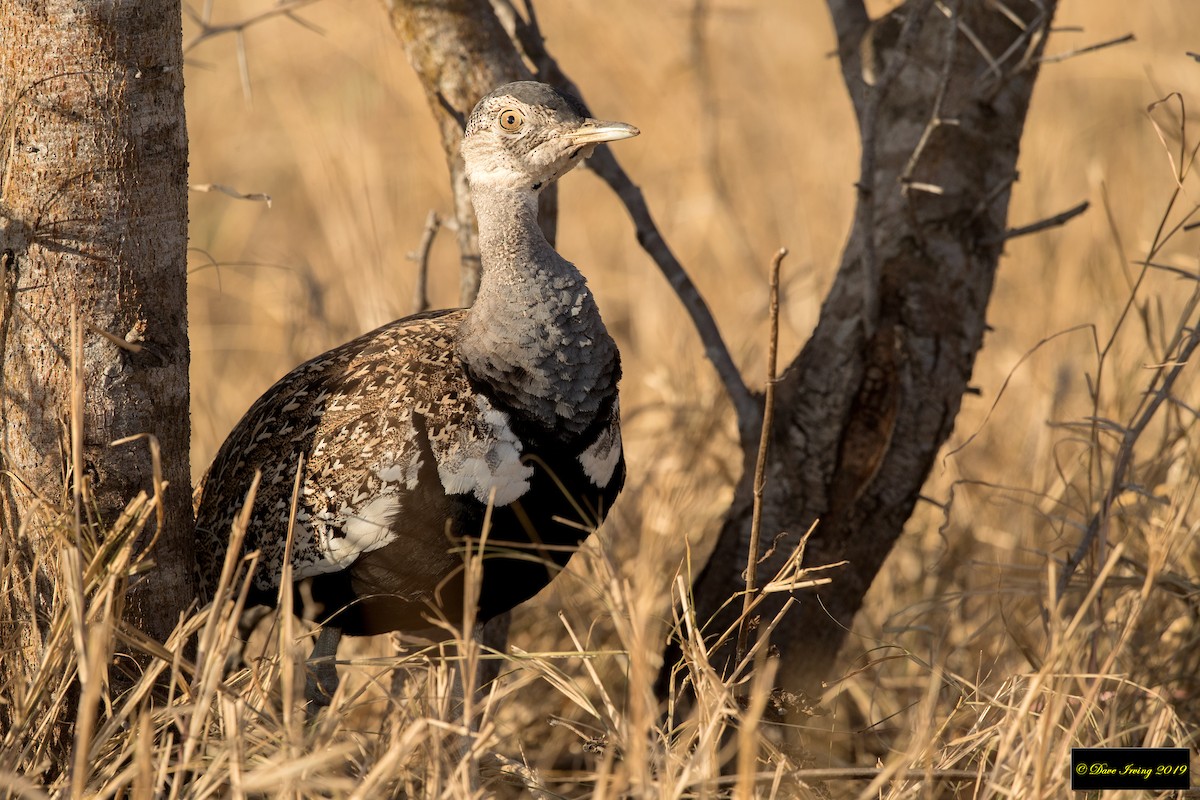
{"points": [[336, 130]]}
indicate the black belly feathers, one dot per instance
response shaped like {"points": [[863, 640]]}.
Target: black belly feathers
{"points": [[402, 454]]}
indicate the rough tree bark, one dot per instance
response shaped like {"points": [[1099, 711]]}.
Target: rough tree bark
{"points": [[941, 93], [93, 223]]}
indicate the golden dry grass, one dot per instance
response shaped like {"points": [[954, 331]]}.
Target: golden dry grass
{"points": [[960, 660]]}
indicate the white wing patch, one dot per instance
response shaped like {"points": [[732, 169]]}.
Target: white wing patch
{"points": [[600, 460], [365, 530], [484, 457], [363, 527]]}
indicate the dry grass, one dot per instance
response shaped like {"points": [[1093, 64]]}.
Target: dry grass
{"points": [[966, 674]]}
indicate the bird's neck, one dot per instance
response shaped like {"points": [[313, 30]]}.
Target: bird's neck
{"points": [[509, 235], [534, 336]]}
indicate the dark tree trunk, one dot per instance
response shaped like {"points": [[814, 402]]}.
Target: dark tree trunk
{"points": [[93, 224], [863, 410]]}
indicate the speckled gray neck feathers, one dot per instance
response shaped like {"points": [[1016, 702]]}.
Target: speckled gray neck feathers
{"points": [[534, 336]]}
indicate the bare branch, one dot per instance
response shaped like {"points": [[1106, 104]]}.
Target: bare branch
{"points": [[1049, 222], [1011, 15], [1030, 33], [209, 31], [254, 197], [420, 300], [1091, 48], [286, 8], [605, 164], [745, 404]]}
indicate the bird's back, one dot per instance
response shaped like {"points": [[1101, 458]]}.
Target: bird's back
{"points": [[402, 454]]}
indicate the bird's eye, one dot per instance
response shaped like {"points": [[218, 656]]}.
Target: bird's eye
{"points": [[511, 120]]}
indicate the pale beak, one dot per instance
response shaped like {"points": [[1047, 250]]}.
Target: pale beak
{"points": [[594, 131]]}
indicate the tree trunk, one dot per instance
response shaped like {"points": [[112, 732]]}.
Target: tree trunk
{"points": [[93, 224], [863, 410]]}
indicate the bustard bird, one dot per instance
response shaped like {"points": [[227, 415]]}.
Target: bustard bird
{"points": [[407, 433]]}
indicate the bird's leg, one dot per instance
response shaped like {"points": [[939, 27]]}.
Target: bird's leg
{"points": [[467, 673], [235, 658], [492, 636], [462, 679], [321, 678]]}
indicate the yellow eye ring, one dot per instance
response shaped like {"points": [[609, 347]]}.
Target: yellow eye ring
{"points": [[511, 119]]}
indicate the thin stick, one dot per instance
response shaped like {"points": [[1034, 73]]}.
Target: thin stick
{"points": [[1049, 222], [1091, 48], [287, 636], [421, 255], [760, 467]]}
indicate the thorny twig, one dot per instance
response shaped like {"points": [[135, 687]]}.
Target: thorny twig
{"points": [[209, 31], [1032, 34]]}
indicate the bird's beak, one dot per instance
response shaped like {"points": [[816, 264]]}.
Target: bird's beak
{"points": [[594, 131]]}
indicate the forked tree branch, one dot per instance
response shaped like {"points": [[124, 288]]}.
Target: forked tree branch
{"points": [[850, 22]]}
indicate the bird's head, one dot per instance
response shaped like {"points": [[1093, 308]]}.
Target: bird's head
{"points": [[526, 134]]}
